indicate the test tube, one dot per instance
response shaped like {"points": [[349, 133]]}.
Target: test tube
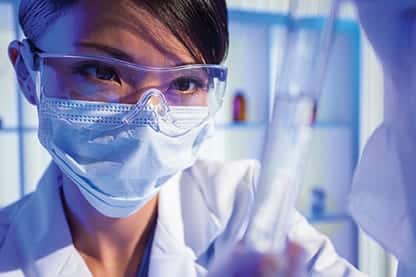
{"points": [[285, 150]]}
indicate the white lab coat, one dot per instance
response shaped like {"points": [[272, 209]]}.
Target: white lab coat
{"points": [[199, 210]]}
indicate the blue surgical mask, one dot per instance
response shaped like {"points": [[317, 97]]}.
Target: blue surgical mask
{"points": [[119, 167]]}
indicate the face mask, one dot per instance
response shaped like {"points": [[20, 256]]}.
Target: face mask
{"points": [[118, 167], [383, 190]]}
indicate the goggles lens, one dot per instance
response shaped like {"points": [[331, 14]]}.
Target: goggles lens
{"points": [[113, 81], [185, 90]]}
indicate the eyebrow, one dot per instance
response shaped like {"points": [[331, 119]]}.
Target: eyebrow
{"points": [[113, 52]]}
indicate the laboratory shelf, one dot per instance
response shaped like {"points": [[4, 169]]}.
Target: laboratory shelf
{"points": [[240, 125], [275, 18], [329, 218], [18, 130], [254, 125], [332, 125], [256, 16]]}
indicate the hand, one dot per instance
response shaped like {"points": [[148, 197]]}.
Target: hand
{"points": [[242, 261]]}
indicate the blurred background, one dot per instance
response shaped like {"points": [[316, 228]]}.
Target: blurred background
{"points": [[350, 109]]}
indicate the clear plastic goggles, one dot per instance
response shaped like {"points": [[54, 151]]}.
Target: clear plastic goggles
{"points": [[171, 92]]}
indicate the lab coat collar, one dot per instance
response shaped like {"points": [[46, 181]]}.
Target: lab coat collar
{"points": [[40, 238], [176, 248]]}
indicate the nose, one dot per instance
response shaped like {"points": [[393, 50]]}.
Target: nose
{"points": [[152, 98], [141, 84], [154, 101]]}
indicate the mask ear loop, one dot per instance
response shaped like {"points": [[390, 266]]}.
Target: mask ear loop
{"points": [[31, 61], [38, 88]]}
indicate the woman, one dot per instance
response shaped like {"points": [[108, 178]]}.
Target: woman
{"points": [[126, 92]]}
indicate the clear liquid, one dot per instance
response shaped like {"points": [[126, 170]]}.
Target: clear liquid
{"points": [[283, 162]]}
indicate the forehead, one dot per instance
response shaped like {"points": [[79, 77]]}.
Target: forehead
{"points": [[120, 27]]}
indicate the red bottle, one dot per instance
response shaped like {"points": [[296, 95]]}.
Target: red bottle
{"points": [[239, 107]]}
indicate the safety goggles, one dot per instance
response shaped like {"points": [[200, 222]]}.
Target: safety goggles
{"points": [[173, 93]]}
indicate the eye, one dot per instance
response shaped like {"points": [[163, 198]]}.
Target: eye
{"points": [[99, 72], [186, 85]]}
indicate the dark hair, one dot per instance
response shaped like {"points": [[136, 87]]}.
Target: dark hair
{"points": [[200, 25]]}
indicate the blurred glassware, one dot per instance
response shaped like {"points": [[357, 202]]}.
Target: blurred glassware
{"points": [[287, 141]]}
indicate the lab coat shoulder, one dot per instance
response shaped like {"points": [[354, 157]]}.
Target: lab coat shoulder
{"points": [[8, 214]]}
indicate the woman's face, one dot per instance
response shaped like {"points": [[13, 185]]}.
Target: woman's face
{"points": [[123, 31]]}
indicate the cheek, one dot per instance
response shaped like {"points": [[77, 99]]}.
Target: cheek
{"points": [[51, 83], [57, 82], [203, 100]]}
